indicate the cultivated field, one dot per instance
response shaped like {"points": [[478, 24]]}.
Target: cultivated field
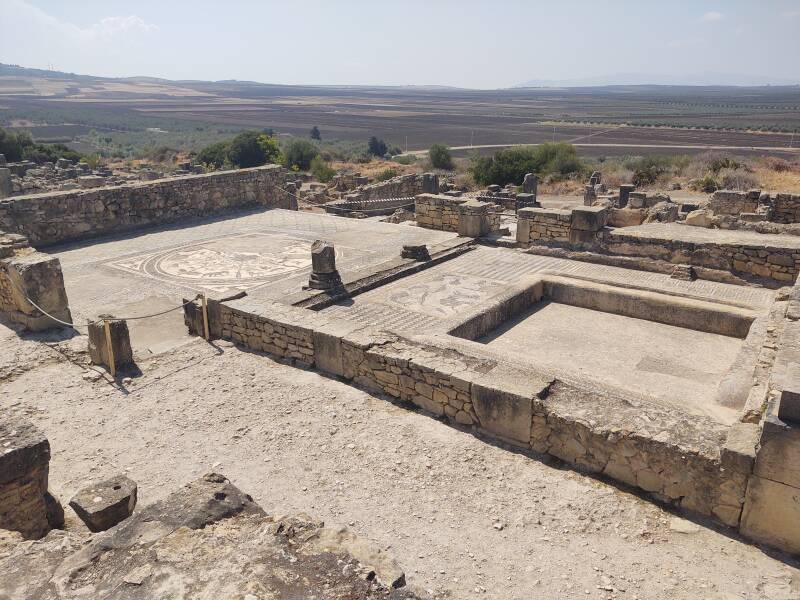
{"points": [[600, 121]]}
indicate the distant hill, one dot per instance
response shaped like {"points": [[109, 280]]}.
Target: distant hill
{"points": [[640, 79]]}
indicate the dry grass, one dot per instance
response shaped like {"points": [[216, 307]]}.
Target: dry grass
{"points": [[778, 181], [374, 167]]}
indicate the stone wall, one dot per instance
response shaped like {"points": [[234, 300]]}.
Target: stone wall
{"points": [[780, 208], [772, 507], [543, 225], [728, 202], [438, 212], [690, 466], [404, 186], [561, 227], [779, 264], [24, 468], [786, 208], [63, 216]]}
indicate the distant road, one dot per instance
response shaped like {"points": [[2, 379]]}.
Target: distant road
{"points": [[650, 146]]}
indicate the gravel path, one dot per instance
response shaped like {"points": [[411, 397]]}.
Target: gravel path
{"points": [[461, 515]]}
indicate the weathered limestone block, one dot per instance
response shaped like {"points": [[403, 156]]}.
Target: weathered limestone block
{"points": [[624, 192], [505, 407], [699, 218], [416, 252], [772, 514], [35, 278], [324, 275], [120, 342], [589, 195], [24, 467], [105, 503], [474, 218], [530, 184], [6, 187], [624, 217], [589, 218]]}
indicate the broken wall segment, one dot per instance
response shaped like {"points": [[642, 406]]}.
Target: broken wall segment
{"points": [[580, 226], [437, 211], [64, 216], [31, 282], [404, 186], [25, 504], [476, 218]]}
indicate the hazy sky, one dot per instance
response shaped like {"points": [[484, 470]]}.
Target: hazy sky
{"points": [[470, 43]]}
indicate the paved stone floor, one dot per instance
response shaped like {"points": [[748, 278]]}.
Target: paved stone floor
{"points": [[420, 303], [267, 253]]}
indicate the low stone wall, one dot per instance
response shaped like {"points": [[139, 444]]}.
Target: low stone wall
{"points": [[786, 208], [680, 459], [24, 468], [404, 186], [561, 227], [542, 225], [64, 216], [27, 274], [781, 265], [465, 216], [728, 202], [780, 208], [369, 207], [438, 212]]}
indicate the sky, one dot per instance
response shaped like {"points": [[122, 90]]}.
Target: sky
{"points": [[467, 43]]}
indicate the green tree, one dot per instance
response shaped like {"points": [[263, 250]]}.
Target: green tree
{"points": [[215, 155], [376, 147], [511, 165], [298, 153], [315, 134], [440, 157], [271, 148], [321, 170], [246, 150]]}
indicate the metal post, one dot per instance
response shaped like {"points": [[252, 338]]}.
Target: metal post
{"points": [[112, 363], [205, 318]]}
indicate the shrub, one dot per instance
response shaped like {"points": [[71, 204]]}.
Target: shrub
{"points": [[440, 157], [321, 170], [248, 149], [19, 145], [737, 179], [215, 155], [779, 165], [406, 159], [705, 184], [386, 174], [253, 149], [299, 153], [376, 147], [511, 165], [315, 134], [93, 160]]}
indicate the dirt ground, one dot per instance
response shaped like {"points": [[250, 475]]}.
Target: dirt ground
{"points": [[460, 514]]}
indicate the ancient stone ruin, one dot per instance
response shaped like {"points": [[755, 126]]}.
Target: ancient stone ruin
{"points": [[610, 333]]}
